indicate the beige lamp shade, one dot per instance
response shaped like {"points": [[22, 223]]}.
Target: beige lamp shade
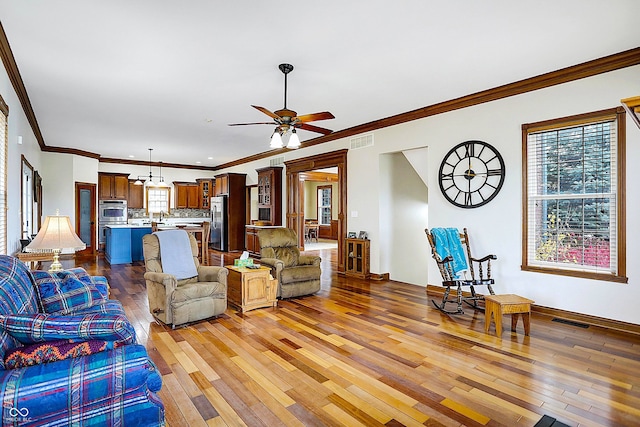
{"points": [[56, 235]]}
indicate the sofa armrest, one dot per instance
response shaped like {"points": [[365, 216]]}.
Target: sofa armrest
{"points": [[212, 274], [275, 264], [169, 281], [309, 260]]}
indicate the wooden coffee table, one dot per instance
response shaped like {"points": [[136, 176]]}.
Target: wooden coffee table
{"points": [[497, 305], [248, 288]]}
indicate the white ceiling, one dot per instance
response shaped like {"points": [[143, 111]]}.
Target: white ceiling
{"points": [[116, 77]]}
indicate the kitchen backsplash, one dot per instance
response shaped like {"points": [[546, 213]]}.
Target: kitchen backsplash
{"points": [[175, 213]]}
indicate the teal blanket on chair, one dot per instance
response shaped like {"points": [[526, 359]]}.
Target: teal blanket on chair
{"points": [[447, 241]]}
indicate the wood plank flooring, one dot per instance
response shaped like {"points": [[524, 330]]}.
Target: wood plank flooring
{"points": [[367, 353]]}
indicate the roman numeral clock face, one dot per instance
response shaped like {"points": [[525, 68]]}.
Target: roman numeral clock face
{"points": [[471, 174]]}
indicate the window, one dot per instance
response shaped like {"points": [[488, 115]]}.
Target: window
{"points": [[158, 199], [27, 200], [4, 141], [574, 196], [324, 205]]}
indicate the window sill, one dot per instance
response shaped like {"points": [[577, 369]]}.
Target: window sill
{"points": [[580, 274]]}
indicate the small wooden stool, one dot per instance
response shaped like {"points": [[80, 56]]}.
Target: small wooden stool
{"points": [[497, 305]]}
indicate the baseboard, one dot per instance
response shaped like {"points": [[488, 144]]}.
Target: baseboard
{"points": [[602, 322], [379, 276]]}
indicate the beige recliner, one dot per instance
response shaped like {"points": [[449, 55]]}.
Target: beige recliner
{"points": [[297, 274], [175, 302]]}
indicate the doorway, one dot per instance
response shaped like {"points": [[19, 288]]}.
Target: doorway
{"points": [[295, 194], [86, 217]]}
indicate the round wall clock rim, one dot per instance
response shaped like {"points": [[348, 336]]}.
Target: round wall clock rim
{"points": [[498, 187]]}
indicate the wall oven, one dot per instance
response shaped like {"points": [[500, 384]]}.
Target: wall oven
{"points": [[111, 212]]}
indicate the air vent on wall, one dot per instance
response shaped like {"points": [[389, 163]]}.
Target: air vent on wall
{"points": [[362, 141], [277, 161]]}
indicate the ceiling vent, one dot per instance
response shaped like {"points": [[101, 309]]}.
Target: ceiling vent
{"points": [[362, 141], [277, 161]]}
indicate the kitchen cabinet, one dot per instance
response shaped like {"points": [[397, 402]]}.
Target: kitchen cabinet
{"points": [[205, 192], [252, 242], [233, 186], [136, 196], [357, 262], [221, 185], [270, 195], [187, 195], [113, 186]]}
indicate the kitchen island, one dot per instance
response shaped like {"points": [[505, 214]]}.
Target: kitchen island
{"points": [[124, 243]]}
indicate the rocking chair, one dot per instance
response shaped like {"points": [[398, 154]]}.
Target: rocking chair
{"points": [[450, 277]]}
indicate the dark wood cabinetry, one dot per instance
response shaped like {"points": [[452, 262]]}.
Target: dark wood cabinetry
{"points": [[205, 192], [136, 196], [270, 195], [252, 241], [233, 185], [357, 258], [113, 186], [221, 186], [187, 195]]}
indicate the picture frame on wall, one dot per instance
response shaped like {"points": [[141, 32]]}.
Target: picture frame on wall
{"points": [[363, 235]]}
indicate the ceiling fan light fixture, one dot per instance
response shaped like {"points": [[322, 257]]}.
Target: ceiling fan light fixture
{"points": [[294, 141], [276, 140]]}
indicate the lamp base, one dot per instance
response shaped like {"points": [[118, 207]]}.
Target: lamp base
{"points": [[55, 265]]}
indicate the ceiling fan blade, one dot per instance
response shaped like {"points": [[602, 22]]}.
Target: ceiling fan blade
{"points": [[267, 112], [325, 115], [313, 128], [245, 124]]}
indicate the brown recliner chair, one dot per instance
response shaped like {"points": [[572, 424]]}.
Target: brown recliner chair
{"points": [[297, 274], [175, 302]]}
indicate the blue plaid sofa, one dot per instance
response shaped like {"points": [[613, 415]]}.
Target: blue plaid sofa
{"points": [[68, 354]]}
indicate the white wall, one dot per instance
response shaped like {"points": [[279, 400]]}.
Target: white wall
{"points": [[17, 126], [404, 201], [496, 227]]}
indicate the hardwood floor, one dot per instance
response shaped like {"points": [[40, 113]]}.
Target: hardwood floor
{"points": [[377, 353]]}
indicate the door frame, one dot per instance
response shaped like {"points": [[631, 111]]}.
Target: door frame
{"points": [[92, 248], [295, 194]]}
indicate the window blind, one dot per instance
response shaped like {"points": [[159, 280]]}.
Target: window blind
{"points": [[572, 197]]}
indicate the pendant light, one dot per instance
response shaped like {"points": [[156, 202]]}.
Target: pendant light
{"points": [[161, 183], [149, 182]]}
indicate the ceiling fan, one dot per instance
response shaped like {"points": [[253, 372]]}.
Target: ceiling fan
{"points": [[288, 120]]}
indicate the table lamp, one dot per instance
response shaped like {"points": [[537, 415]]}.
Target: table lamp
{"points": [[56, 235]]}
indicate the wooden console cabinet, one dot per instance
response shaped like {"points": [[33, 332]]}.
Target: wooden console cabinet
{"points": [[357, 258], [251, 288]]}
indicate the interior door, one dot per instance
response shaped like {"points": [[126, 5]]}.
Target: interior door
{"points": [[86, 216]]}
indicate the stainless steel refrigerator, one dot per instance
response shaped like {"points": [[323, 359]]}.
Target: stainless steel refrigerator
{"points": [[218, 233]]}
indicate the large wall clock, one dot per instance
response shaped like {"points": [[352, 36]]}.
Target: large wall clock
{"points": [[471, 174]]}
